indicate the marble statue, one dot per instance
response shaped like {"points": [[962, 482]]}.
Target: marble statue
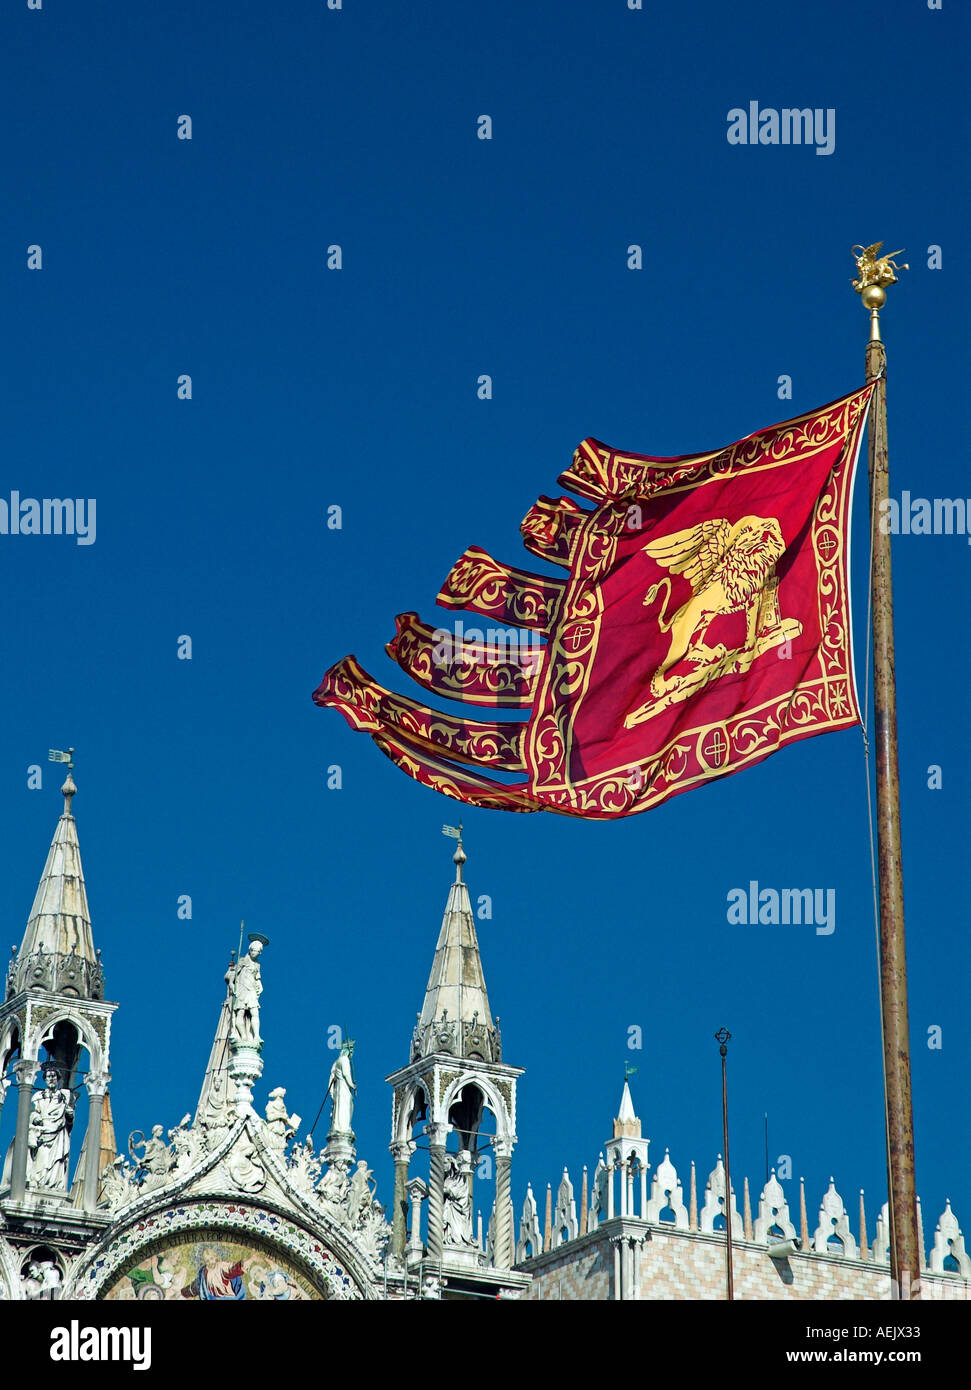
{"points": [[49, 1135], [281, 1126], [188, 1145], [246, 990], [156, 1159], [304, 1167], [42, 1280], [457, 1223], [361, 1193], [217, 1113], [334, 1191], [341, 1089], [245, 1170], [117, 1184]]}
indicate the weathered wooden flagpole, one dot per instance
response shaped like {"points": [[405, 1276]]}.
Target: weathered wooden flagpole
{"points": [[875, 272]]}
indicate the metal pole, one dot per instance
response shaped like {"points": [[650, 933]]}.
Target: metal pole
{"points": [[875, 274], [723, 1037]]}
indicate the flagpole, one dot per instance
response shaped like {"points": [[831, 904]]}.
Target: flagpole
{"points": [[722, 1037], [875, 273]]}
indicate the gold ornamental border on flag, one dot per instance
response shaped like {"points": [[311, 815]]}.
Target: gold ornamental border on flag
{"points": [[634, 788]]}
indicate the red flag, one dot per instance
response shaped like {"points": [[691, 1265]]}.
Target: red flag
{"points": [[700, 621]]}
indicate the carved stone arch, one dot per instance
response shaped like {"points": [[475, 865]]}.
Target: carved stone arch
{"points": [[406, 1105], [10, 1040], [494, 1099], [321, 1255], [87, 1035]]}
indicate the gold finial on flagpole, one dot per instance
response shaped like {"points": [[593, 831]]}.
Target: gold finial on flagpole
{"points": [[874, 273]]}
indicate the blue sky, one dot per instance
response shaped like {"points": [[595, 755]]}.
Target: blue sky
{"points": [[357, 388]]}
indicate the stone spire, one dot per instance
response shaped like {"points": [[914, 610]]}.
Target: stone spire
{"points": [[57, 953], [107, 1148], [455, 1017], [627, 1125]]}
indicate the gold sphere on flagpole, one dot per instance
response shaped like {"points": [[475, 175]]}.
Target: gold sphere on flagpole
{"points": [[873, 297]]}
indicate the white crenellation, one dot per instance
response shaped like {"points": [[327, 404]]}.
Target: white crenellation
{"points": [[715, 1203], [773, 1215], [880, 1249], [565, 1213], [598, 1195], [833, 1221], [530, 1240], [949, 1242], [667, 1192]]}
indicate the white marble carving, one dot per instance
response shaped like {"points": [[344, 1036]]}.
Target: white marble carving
{"points": [[834, 1221], [667, 1192], [565, 1212], [598, 1195], [49, 1135], [530, 1240], [714, 1203], [281, 1127], [341, 1089], [773, 1216], [457, 1221], [949, 1242]]}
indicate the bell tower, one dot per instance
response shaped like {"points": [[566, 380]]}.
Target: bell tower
{"points": [[456, 1097], [54, 1010]]}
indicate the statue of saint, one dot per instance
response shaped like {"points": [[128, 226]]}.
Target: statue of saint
{"points": [[280, 1125], [49, 1135], [341, 1089], [245, 995], [457, 1224], [156, 1159], [361, 1193]]}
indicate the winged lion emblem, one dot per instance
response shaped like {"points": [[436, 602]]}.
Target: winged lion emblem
{"points": [[731, 569]]}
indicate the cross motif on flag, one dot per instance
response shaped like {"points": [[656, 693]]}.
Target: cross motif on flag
{"points": [[716, 748]]}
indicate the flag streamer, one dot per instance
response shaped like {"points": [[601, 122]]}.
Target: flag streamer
{"points": [[499, 670]]}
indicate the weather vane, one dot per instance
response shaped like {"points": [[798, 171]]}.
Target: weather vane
{"points": [[57, 755], [874, 274]]}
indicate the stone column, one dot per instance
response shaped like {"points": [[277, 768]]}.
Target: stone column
{"points": [[503, 1248], [401, 1151], [630, 1186], [643, 1191], [635, 1271], [24, 1072], [417, 1192], [437, 1134], [622, 1181], [610, 1188], [96, 1084], [618, 1243]]}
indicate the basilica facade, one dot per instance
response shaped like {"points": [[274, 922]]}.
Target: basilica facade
{"points": [[232, 1203]]}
